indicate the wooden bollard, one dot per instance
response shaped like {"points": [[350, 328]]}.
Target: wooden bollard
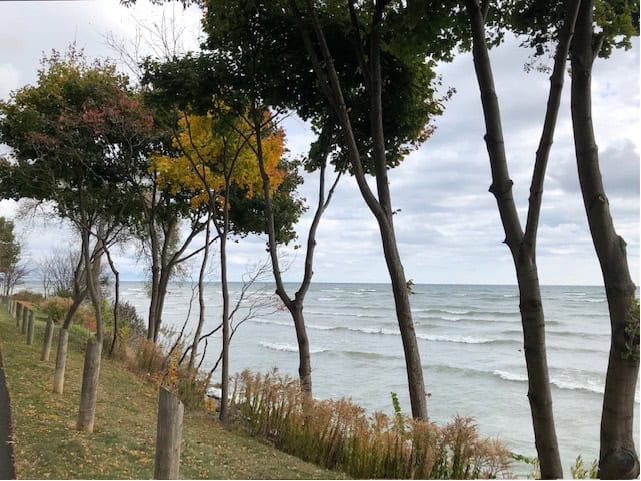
{"points": [[30, 327], [89, 392], [61, 362], [25, 320], [18, 314], [46, 345], [168, 435]]}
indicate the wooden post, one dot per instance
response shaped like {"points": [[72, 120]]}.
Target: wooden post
{"points": [[46, 346], [168, 435], [30, 327], [18, 314], [88, 394], [61, 362], [25, 319]]}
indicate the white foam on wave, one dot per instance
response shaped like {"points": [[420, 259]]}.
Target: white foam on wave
{"points": [[589, 385], [258, 320], [459, 339], [509, 376], [288, 347]]}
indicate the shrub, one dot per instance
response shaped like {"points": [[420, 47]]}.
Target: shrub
{"points": [[56, 307], [580, 472], [187, 384], [127, 316], [338, 434], [28, 296]]}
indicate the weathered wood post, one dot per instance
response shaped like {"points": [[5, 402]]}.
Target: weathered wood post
{"points": [[25, 319], [46, 345], [18, 314], [61, 362], [168, 435], [88, 394], [30, 327]]}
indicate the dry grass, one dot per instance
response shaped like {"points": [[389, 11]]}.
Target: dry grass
{"points": [[339, 435], [47, 446]]}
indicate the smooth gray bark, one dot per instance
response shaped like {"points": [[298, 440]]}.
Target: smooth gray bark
{"points": [[618, 458]]}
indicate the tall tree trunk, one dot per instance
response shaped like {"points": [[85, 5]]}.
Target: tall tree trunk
{"points": [[153, 301], [618, 457], [201, 300], [160, 300], [523, 245], [91, 371], [304, 359], [295, 306], [224, 401], [79, 294], [92, 283], [381, 206]]}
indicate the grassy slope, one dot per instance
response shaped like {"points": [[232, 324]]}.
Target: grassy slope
{"points": [[47, 446]]}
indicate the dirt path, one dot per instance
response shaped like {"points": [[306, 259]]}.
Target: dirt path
{"points": [[7, 470]]}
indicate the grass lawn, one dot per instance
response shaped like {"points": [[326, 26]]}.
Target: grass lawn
{"points": [[47, 446]]}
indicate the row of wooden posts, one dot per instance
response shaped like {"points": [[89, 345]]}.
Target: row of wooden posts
{"points": [[170, 408]]}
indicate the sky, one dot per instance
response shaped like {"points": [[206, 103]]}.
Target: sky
{"points": [[447, 227]]}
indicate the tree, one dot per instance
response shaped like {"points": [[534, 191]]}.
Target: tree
{"points": [[11, 269], [618, 458], [522, 244], [600, 28], [351, 82], [213, 157], [366, 26], [72, 135]]}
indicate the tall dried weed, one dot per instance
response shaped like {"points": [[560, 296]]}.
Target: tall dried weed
{"points": [[338, 434]]}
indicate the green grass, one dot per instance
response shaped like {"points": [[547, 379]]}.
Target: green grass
{"points": [[47, 446]]}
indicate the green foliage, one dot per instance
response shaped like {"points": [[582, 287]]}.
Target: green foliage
{"points": [[398, 414], [615, 20], [535, 468], [254, 53], [56, 307], [11, 269], [578, 471], [339, 435], [9, 246], [247, 212], [127, 316], [75, 136], [632, 331]]}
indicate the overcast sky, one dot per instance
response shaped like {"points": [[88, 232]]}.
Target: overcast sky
{"points": [[448, 226]]}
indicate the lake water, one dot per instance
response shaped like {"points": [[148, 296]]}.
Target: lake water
{"points": [[470, 341]]}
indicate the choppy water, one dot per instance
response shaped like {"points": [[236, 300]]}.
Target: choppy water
{"points": [[471, 348]]}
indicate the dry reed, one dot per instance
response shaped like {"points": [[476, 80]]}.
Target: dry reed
{"points": [[338, 434]]}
